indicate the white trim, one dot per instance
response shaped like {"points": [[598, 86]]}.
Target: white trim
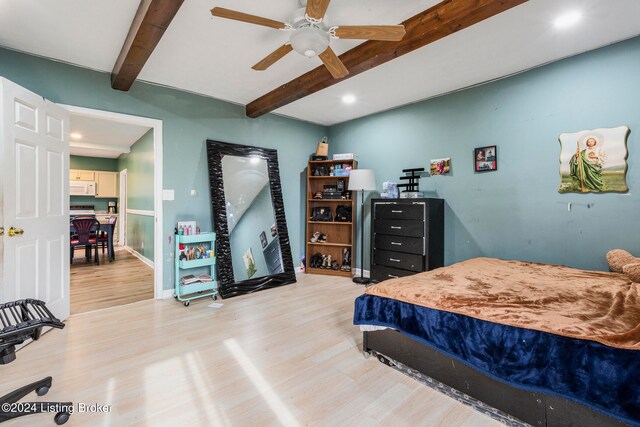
{"points": [[156, 125], [141, 212], [166, 294], [100, 147], [122, 231], [356, 273], [140, 257]]}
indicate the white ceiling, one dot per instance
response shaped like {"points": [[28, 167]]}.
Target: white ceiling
{"points": [[213, 56], [102, 137]]}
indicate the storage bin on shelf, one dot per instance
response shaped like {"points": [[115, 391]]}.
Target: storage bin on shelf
{"points": [[188, 292]]}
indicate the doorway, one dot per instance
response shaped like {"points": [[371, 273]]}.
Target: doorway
{"points": [[129, 274]]}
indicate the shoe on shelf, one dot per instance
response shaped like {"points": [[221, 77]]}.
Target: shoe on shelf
{"points": [[318, 195], [322, 238], [334, 265], [315, 237]]}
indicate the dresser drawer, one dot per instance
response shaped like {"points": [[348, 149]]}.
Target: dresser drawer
{"points": [[380, 273], [399, 260], [412, 245], [397, 227], [399, 211]]}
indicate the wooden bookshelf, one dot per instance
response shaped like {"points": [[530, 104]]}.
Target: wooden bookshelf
{"points": [[340, 235]]}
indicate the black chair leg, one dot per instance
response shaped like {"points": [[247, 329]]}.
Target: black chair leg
{"points": [[62, 410], [41, 387]]}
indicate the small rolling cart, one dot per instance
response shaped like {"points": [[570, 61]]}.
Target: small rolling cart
{"points": [[188, 292]]}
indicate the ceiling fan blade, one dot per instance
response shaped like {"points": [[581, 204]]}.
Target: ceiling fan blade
{"points": [[273, 57], [333, 64], [393, 33], [316, 9], [245, 17]]}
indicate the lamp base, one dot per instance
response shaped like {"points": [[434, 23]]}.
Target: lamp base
{"points": [[361, 280]]}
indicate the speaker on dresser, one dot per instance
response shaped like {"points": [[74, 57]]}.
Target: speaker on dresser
{"points": [[407, 237]]}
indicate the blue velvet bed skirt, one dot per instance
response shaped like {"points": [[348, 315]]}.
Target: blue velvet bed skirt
{"points": [[604, 378]]}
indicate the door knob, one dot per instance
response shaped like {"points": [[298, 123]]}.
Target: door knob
{"points": [[13, 232]]}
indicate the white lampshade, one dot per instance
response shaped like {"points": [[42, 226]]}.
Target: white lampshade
{"points": [[362, 179]]}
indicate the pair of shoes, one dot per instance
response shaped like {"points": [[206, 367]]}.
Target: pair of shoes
{"points": [[318, 237], [318, 195], [326, 261], [346, 259]]}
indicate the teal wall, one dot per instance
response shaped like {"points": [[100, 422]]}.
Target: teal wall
{"points": [[516, 212], [93, 164], [139, 164], [188, 120]]}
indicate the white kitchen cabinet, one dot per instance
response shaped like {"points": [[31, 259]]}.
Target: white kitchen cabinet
{"points": [[81, 175], [106, 184]]}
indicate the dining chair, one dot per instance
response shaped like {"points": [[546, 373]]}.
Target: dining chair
{"points": [[104, 237], [86, 229]]}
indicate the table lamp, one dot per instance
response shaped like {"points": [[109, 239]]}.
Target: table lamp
{"points": [[362, 180]]}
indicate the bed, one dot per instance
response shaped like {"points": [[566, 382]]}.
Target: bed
{"points": [[548, 344]]}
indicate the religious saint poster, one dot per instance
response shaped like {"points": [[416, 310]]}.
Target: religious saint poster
{"points": [[594, 161]]}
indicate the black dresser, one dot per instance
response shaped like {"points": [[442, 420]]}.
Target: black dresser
{"points": [[407, 237]]}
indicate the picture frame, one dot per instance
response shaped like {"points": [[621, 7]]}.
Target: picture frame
{"points": [[263, 239], [485, 159], [594, 161], [440, 166]]}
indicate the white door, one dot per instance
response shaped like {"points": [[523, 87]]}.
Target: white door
{"points": [[34, 199]]}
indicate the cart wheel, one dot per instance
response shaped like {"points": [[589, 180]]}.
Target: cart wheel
{"points": [[61, 418], [384, 360], [200, 292], [214, 297], [186, 303], [366, 354], [42, 390]]}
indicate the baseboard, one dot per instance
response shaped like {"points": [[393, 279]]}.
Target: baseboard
{"points": [[140, 257], [356, 273], [166, 294]]}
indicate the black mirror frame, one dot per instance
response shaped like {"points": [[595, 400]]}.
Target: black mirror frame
{"points": [[227, 286]]}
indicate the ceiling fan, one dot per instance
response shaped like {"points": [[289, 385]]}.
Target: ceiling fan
{"points": [[311, 35]]}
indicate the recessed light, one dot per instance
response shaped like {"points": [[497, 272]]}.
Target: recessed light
{"points": [[349, 99], [75, 135], [568, 19]]}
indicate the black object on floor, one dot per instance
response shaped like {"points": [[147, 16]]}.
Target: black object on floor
{"points": [[21, 321]]}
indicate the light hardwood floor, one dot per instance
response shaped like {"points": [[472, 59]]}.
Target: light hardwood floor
{"points": [[124, 281], [285, 356]]}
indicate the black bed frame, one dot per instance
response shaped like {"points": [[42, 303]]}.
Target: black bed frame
{"points": [[537, 409]]}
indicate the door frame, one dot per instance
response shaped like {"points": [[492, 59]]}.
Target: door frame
{"points": [[156, 125], [122, 231]]}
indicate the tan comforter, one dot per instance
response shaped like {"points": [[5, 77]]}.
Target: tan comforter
{"points": [[592, 305]]}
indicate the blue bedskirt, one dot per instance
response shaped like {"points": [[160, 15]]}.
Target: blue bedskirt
{"points": [[604, 378]]}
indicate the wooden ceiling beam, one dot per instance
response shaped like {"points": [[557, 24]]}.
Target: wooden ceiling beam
{"points": [[435, 23], [147, 28]]}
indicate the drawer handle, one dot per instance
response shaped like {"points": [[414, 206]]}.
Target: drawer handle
{"points": [[392, 276], [396, 243], [394, 260], [396, 211], [396, 228]]}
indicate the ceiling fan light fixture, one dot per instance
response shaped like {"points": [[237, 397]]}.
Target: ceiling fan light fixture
{"points": [[309, 41]]}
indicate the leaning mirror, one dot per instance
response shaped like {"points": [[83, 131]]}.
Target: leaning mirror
{"points": [[253, 248]]}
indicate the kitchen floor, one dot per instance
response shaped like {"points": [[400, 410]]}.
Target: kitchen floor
{"points": [[94, 287]]}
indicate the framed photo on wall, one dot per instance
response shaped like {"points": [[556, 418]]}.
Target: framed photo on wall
{"points": [[485, 159], [263, 239]]}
